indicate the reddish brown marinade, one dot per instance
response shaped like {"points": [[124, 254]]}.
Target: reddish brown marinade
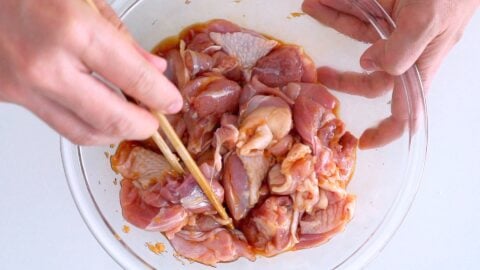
{"points": [[267, 135]]}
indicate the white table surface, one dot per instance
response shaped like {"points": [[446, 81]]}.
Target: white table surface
{"points": [[40, 228]]}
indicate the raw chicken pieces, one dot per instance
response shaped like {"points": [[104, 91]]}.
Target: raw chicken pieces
{"points": [[264, 132]]}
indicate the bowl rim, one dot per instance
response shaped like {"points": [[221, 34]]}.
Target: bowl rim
{"points": [[365, 253]]}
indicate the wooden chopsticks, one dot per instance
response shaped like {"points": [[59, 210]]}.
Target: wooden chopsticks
{"points": [[192, 167], [167, 153], [184, 155]]}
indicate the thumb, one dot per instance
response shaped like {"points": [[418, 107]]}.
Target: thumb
{"points": [[406, 44]]}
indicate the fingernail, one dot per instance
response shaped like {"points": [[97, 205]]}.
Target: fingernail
{"points": [[175, 106], [158, 62], [368, 65]]}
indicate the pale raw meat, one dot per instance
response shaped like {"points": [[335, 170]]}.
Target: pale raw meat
{"points": [[242, 181], [284, 65], [194, 87], [134, 209], [321, 225], [212, 95], [255, 87], [268, 227], [207, 98], [331, 131], [219, 97], [278, 182], [296, 177], [314, 91], [203, 223], [282, 147], [256, 167], [168, 219], [225, 137], [144, 166], [307, 194], [246, 47], [218, 245], [197, 62], [178, 124], [227, 65], [312, 108], [298, 168], [202, 43], [176, 71], [259, 101], [345, 156], [264, 122], [266, 136], [322, 221], [336, 165], [236, 184], [313, 240], [200, 131], [222, 26], [193, 198], [162, 193]]}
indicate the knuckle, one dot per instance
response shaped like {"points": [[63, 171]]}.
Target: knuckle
{"points": [[74, 33], [392, 64], [35, 72], [418, 18], [118, 126], [142, 84], [82, 41], [422, 23], [394, 69], [72, 25], [67, 24], [417, 22]]}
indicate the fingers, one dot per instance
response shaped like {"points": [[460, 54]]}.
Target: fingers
{"points": [[362, 84], [342, 22], [405, 45], [387, 131], [104, 110], [109, 14], [65, 121], [393, 127], [344, 6], [118, 61], [372, 85]]}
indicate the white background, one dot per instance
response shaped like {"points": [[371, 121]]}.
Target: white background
{"points": [[40, 228]]}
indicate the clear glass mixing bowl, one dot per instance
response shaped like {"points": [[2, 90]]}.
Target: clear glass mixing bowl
{"points": [[386, 179]]}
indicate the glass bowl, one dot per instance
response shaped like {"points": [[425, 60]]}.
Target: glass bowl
{"points": [[385, 181]]}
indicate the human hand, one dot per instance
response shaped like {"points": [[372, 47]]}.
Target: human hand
{"points": [[48, 50], [426, 31]]}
